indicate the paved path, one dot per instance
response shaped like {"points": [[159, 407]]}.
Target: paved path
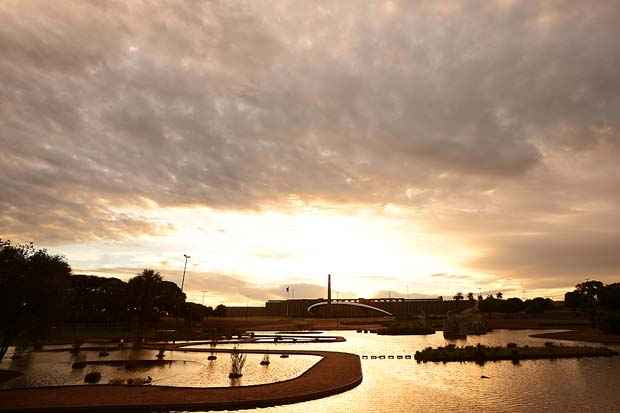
{"points": [[335, 373]]}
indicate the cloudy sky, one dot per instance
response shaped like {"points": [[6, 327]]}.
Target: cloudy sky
{"points": [[423, 147]]}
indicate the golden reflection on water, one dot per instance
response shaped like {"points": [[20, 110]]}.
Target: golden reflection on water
{"points": [[404, 386]]}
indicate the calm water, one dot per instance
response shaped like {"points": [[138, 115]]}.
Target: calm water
{"points": [[188, 369], [585, 385]]}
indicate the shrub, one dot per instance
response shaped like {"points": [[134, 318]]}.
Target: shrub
{"points": [[237, 362], [92, 377]]}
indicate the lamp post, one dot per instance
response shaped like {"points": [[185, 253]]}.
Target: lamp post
{"points": [[187, 257]]}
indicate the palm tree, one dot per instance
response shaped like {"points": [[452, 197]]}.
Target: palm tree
{"points": [[142, 292], [458, 296]]}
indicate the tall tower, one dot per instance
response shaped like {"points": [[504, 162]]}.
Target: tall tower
{"points": [[329, 289], [330, 311]]}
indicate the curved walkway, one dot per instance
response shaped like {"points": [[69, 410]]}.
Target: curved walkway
{"points": [[335, 373], [261, 339]]}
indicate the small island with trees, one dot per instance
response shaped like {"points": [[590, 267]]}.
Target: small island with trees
{"points": [[481, 353]]}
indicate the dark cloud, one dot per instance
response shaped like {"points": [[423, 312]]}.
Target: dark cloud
{"points": [[495, 122]]}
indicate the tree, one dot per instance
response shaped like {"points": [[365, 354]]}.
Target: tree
{"points": [[96, 299], [470, 296], [458, 296], [499, 295], [513, 305], [590, 290], [220, 311], [610, 297], [32, 285], [538, 305], [143, 291], [598, 299], [574, 300]]}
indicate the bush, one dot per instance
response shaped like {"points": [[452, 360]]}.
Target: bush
{"points": [[92, 377]]}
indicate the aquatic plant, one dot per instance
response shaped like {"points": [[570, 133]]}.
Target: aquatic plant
{"points": [[237, 362], [92, 377], [75, 347], [212, 345], [265, 361], [139, 381]]}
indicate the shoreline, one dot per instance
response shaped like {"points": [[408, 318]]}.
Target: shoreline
{"points": [[586, 335]]}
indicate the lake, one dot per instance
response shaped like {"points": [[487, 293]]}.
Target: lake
{"points": [[390, 385], [572, 385]]}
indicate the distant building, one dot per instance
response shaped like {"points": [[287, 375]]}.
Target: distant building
{"points": [[399, 307]]}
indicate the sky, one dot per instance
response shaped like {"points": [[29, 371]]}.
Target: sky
{"points": [[409, 148]]}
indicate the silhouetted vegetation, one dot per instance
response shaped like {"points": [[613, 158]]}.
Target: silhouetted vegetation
{"points": [[482, 353], [600, 301], [33, 284], [237, 361], [515, 305], [92, 377], [38, 290]]}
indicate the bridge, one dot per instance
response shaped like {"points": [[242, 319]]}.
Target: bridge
{"points": [[352, 303]]}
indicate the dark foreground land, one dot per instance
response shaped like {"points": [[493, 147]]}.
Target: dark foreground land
{"points": [[481, 353], [334, 373]]}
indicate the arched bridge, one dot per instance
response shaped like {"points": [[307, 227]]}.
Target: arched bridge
{"points": [[350, 303]]}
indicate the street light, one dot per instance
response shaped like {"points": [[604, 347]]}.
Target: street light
{"points": [[187, 257]]}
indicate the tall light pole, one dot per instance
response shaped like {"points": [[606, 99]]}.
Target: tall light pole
{"points": [[187, 257]]}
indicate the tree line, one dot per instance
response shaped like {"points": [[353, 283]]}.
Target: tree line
{"points": [[38, 290], [497, 303]]}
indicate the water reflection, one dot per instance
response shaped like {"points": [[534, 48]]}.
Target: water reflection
{"points": [[188, 369], [393, 385], [573, 385]]}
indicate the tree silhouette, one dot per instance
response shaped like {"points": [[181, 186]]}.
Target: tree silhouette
{"points": [[470, 296], [459, 296], [142, 294], [33, 284], [499, 295]]}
